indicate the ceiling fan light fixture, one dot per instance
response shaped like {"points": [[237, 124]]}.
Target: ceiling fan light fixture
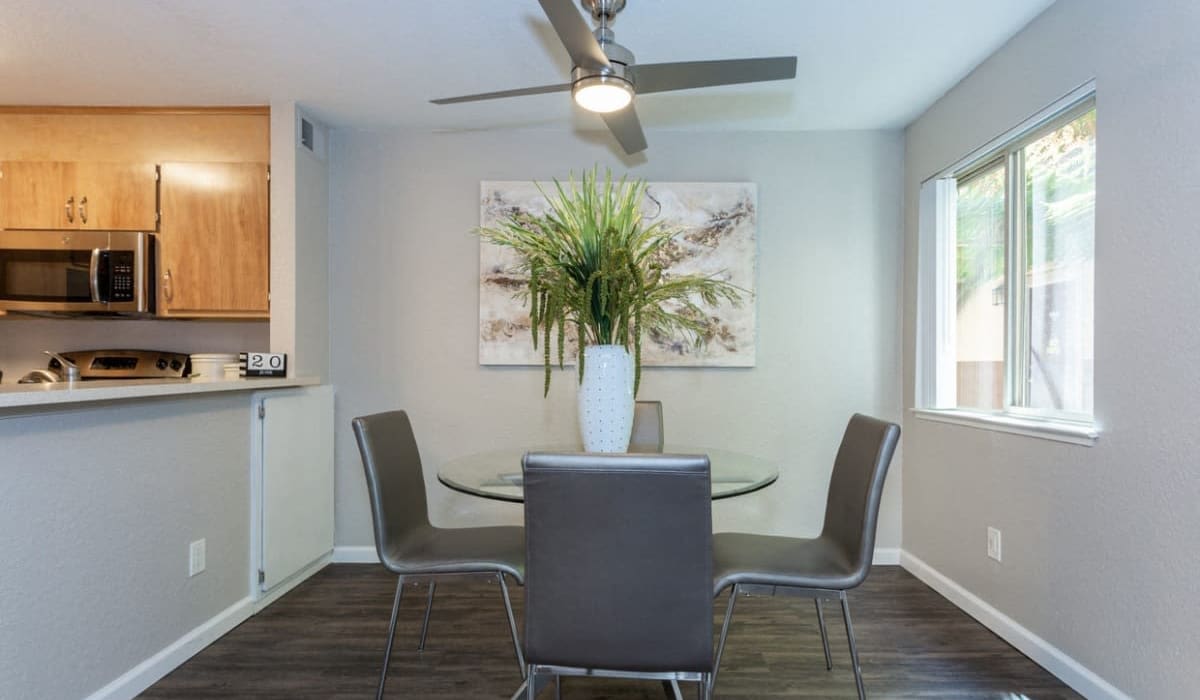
{"points": [[602, 93]]}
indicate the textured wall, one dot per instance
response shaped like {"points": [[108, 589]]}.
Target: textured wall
{"points": [[405, 309], [97, 508], [299, 246], [1099, 542], [312, 262]]}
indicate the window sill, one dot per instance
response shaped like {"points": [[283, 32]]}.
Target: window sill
{"points": [[1060, 431]]}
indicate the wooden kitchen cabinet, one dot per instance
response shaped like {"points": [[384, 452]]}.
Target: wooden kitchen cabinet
{"points": [[83, 195], [213, 242]]}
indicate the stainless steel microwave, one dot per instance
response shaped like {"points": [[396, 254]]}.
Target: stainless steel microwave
{"points": [[77, 271]]}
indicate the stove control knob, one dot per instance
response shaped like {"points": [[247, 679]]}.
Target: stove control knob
{"points": [[161, 364], [176, 364]]}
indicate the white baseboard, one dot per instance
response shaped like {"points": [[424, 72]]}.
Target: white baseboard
{"points": [[886, 556], [145, 674], [265, 598], [355, 555], [1050, 657]]}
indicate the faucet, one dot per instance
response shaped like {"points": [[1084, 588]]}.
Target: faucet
{"points": [[69, 372]]}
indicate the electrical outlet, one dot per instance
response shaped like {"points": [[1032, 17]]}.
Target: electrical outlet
{"points": [[993, 543], [196, 557]]}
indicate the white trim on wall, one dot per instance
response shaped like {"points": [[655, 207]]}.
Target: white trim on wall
{"points": [[884, 556], [1050, 657], [145, 674], [262, 599], [355, 555]]}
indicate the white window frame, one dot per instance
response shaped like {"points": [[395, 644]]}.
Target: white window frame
{"points": [[936, 391]]}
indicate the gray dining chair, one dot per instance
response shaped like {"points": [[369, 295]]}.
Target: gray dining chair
{"points": [[406, 542], [618, 580], [827, 566], [647, 433]]}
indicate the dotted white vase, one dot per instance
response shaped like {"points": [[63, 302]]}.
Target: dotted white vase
{"points": [[606, 398]]}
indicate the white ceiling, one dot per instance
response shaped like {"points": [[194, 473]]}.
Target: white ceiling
{"points": [[863, 64]]}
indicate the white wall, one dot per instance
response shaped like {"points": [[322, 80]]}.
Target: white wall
{"points": [[299, 245], [1099, 543], [311, 263], [97, 508], [283, 230], [405, 309]]}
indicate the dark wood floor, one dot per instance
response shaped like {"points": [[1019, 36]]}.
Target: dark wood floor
{"points": [[325, 640]]}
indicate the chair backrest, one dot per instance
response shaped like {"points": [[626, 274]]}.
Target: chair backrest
{"points": [[618, 559], [647, 435], [852, 508], [395, 482]]}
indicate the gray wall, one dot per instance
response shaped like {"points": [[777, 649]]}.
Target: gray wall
{"points": [[299, 244], [1099, 543], [405, 309], [97, 508], [312, 260]]}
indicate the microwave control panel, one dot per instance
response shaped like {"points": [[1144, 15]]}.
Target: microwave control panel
{"points": [[117, 276]]}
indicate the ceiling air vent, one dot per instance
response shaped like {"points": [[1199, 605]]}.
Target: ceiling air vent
{"points": [[306, 133]]}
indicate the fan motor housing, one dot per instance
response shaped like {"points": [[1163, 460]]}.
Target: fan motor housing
{"points": [[603, 8], [614, 74], [616, 53]]}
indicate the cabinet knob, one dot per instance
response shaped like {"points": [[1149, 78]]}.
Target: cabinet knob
{"points": [[70, 207]]}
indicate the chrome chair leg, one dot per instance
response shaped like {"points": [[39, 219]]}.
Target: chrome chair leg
{"points": [[724, 633], [704, 687], [824, 636], [512, 628], [387, 654], [557, 687], [676, 693], [428, 608], [853, 649], [530, 676]]}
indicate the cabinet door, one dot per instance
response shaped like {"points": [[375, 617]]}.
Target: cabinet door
{"points": [[213, 240], [116, 196], [38, 195], [297, 486]]}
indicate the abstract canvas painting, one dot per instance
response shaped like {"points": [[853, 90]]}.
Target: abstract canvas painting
{"points": [[716, 228]]}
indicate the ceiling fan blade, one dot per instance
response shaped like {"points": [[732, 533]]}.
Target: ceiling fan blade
{"points": [[660, 77], [541, 89], [575, 34], [624, 125]]}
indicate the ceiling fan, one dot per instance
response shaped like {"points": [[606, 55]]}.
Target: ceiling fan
{"points": [[605, 77]]}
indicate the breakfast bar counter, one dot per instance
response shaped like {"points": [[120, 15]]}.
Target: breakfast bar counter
{"points": [[17, 399]]}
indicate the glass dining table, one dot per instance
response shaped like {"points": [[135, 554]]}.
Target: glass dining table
{"points": [[496, 474]]}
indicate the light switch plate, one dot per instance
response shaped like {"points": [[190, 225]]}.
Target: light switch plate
{"points": [[196, 557], [993, 543]]}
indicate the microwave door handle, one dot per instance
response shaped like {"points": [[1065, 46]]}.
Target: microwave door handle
{"points": [[94, 275]]}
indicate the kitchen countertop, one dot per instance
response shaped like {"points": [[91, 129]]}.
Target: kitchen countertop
{"points": [[14, 397]]}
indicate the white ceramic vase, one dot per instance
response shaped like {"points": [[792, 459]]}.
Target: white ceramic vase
{"points": [[606, 398]]}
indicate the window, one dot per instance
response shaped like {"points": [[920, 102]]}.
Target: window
{"points": [[1008, 274]]}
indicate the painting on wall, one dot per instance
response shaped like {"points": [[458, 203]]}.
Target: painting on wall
{"points": [[716, 225]]}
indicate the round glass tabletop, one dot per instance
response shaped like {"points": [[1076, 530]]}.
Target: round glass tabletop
{"points": [[496, 474]]}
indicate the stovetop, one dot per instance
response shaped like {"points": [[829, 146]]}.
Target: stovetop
{"points": [[126, 364]]}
